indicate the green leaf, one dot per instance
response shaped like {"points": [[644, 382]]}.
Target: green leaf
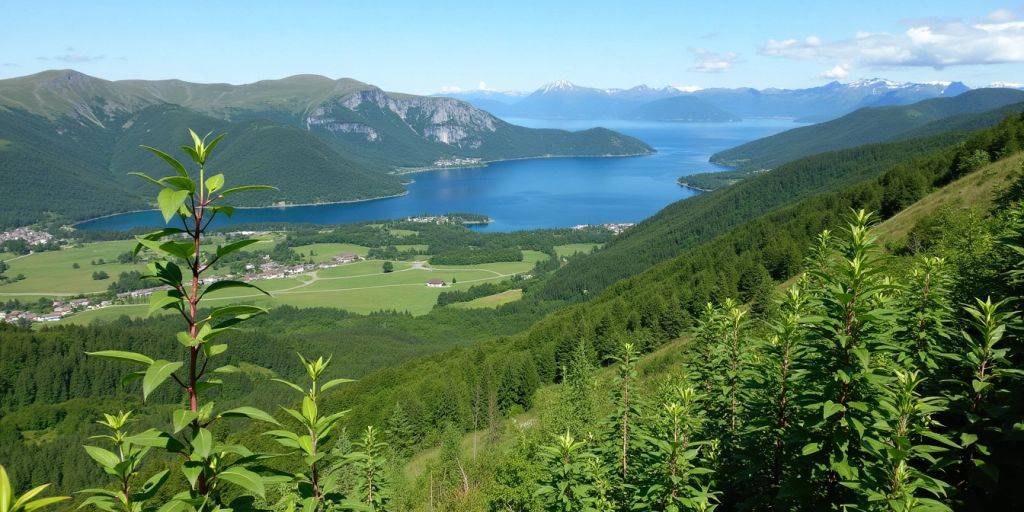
{"points": [[234, 246], [243, 188], [223, 285], [215, 182], [104, 457], [157, 374], [289, 384], [192, 469], [147, 178], [180, 183], [243, 478], [173, 162], [153, 438], [181, 418], [169, 201], [202, 444], [185, 339], [334, 382], [251, 413], [121, 356], [151, 486], [810, 448], [43, 502], [831, 408], [157, 302]]}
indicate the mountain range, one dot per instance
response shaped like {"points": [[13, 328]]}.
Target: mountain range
{"points": [[70, 138], [565, 100]]}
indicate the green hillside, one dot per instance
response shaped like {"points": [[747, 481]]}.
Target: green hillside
{"points": [[865, 126], [684, 224], [314, 138]]}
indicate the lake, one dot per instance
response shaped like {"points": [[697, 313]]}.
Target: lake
{"points": [[534, 193]]}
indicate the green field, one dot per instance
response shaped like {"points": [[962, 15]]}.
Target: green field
{"points": [[358, 287], [491, 301], [51, 274], [564, 251], [324, 252]]}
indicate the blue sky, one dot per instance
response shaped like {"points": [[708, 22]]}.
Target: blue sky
{"points": [[424, 47]]}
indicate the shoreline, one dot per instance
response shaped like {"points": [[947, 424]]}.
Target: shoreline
{"points": [[693, 187], [347, 201], [487, 163], [409, 170]]}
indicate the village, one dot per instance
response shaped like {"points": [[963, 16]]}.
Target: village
{"points": [[614, 227], [267, 269], [28, 235]]}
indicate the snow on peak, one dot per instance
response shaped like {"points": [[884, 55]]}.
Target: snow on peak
{"points": [[876, 82], [686, 88], [1006, 85], [558, 85]]}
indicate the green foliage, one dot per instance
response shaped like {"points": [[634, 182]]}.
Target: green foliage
{"points": [[27, 502], [864, 126]]}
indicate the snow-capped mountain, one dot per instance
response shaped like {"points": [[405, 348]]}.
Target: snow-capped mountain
{"points": [[563, 99]]}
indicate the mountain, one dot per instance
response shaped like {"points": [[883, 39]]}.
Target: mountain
{"points": [[681, 108], [864, 126], [565, 100], [317, 139]]}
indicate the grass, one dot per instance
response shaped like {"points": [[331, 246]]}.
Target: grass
{"points": [[402, 232], [564, 251], [978, 188], [359, 287], [324, 252], [491, 301], [51, 273]]}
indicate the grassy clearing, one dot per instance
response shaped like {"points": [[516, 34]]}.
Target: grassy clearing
{"points": [[491, 301], [402, 232], [51, 273], [979, 188], [358, 287], [324, 252], [564, 251]]}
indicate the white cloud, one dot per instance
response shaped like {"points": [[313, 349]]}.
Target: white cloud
{"points": [[931, 44], [72, 56], [1001, 15], [482, 86], [448, 89], [706, 61], [840, 71]]}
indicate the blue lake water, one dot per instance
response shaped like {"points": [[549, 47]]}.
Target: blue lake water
{"points": [[537, 193]]}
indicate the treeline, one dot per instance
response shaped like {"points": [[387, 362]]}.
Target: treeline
{"points": [[686, 224], [478, 290], [647, 310], [867, 386]]}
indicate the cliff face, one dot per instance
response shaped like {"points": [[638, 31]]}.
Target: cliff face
{"points": [[440, 120]]}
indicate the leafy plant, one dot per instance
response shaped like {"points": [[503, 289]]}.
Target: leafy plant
{"points": [[26, 502], [310, 442], [123, 464], [208, 465]]}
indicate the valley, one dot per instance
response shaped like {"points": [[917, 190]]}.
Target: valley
{"points": [[497, 353]]}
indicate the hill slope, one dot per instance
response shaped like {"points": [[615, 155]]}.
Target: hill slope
{"points": [[865, 126], [314, 138]]}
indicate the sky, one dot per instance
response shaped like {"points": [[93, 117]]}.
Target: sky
{"points": [[431, 46]]}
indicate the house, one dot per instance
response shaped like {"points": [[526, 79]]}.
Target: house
{"points": [[346, 257], [436, 283]]}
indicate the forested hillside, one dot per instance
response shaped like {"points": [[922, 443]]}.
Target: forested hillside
{"points": [[74, 136], [865, 126], [703, 434]]}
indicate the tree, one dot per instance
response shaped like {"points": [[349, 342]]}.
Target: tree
{"points": [[100, 275], [388, 267]]}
